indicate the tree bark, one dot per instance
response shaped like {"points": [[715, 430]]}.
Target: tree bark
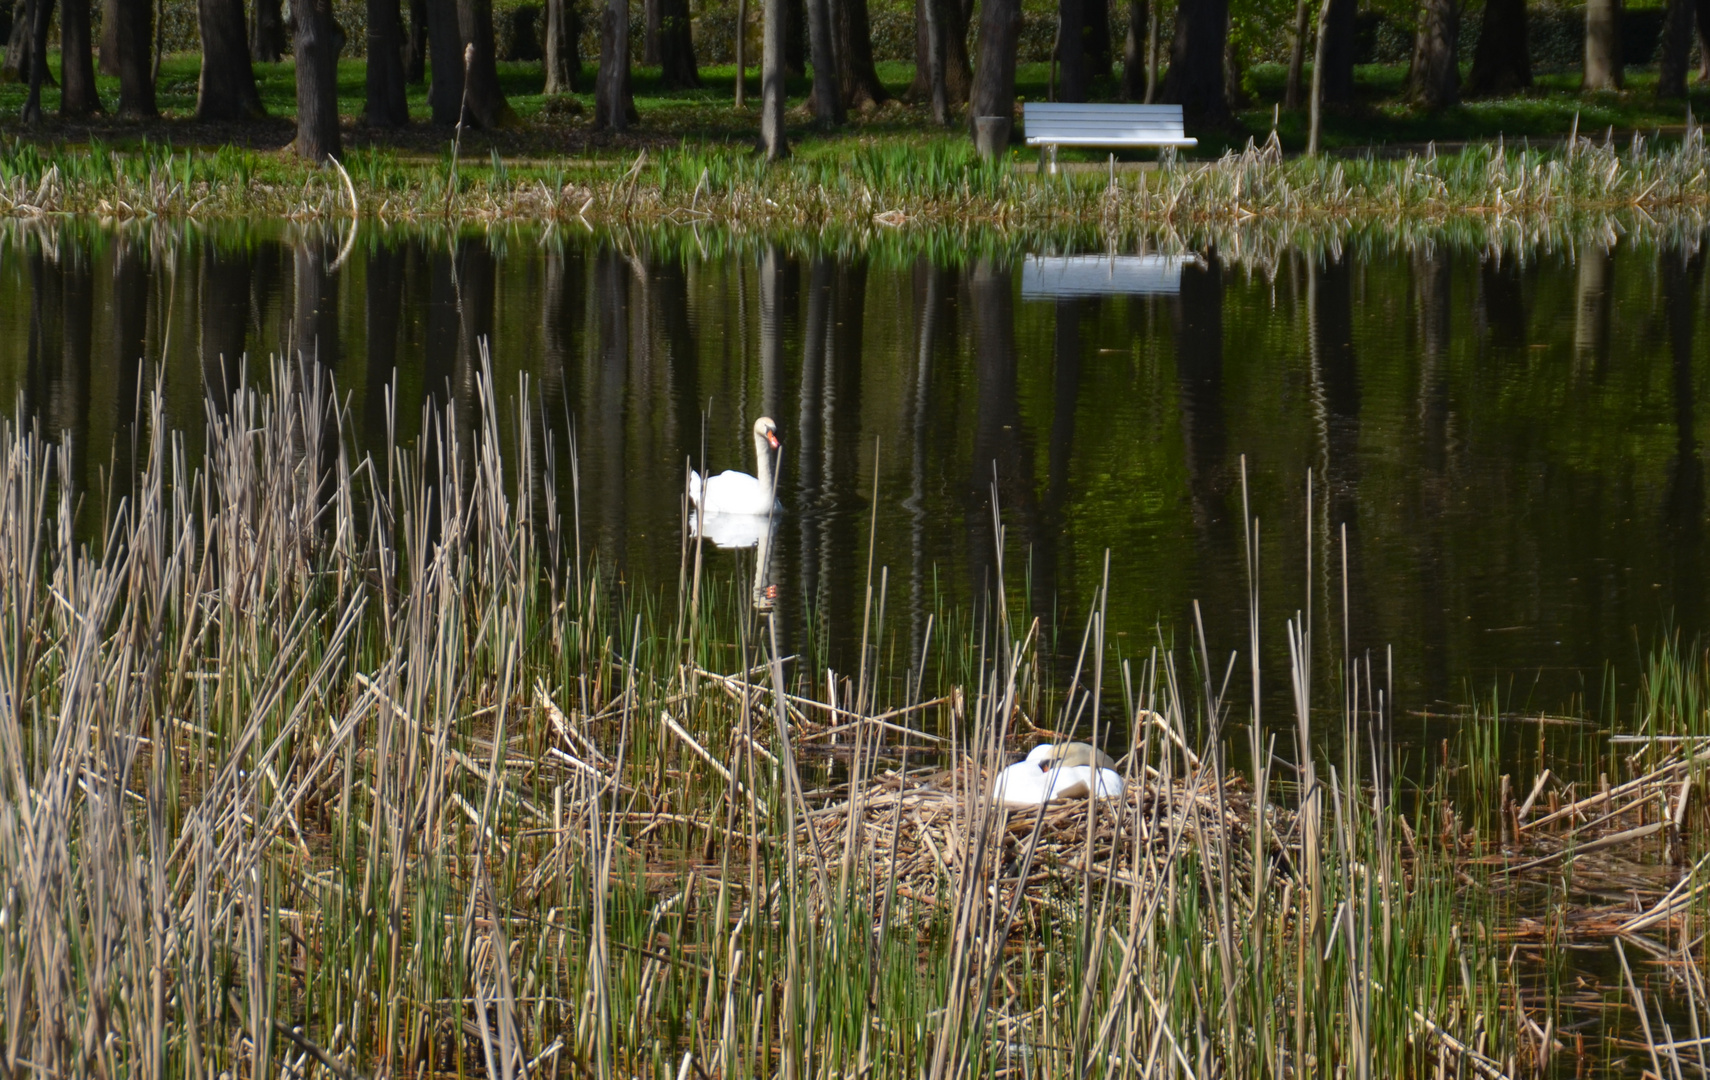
{"points": [[1095, 40], [1675, 53], [1297, 53], [135, 19], [772, 81], [77, 96], [317, 80], [266, 32], [614, 104], [563, 57], [652, 15], [16, 66], [1195, 79], [40, 15], [678, 70], [994, 78], [107, 59], [1433, 81], [387, 106], [795, 38], [1134, 51], [1338, 54], [858, 79], [1076, 76], [958, 75], [226, 88], [1502, 60], [487, 104], [415, 56], [827, 95], [445, 47], [1602, 45]]}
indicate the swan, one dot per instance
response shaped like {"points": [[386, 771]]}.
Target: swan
{"points": [[732, 492], [731, 530], [1055, 771]]}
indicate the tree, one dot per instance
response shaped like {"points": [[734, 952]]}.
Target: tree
{"points": [[1195, 80], [1337, 55], [1133, 51], [77, 96], [317, 80], [1602, 45], [1297, 53], [487, 104], [386, 106], [1095, 37], [38, 16], [1502, 60], [946, 19], [226, 88], [266, 32], [772, 82], [1675, 51], [676, 46], [614, 104], [135, 19], [1433, 81], [563, 62], [1072, 51], [445, 88], [994, 76], [415, 57], [857, 78], [827, 94], [107, 62]]}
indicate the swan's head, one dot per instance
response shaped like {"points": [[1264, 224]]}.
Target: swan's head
{"points": [[1069, 755], [764, 428]]}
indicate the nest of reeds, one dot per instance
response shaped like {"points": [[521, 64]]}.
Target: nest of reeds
{"points": [[924, 833]]}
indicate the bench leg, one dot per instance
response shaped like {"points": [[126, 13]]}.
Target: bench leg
{"points": [[1053, 159], [1040, 170]]}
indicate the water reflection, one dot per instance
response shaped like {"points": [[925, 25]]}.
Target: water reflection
{"points": [[1506, 440]]}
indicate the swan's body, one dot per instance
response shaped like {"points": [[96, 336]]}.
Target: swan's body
{"points": [[737, 493], [1055, 771], [731, 530]]}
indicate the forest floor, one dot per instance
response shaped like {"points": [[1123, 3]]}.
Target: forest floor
{"points": [[556, 127]]}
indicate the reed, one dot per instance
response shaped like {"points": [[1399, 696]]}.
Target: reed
{"points": [[313, 762]]}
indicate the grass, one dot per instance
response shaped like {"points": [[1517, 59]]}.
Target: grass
{"points": [[321, 763]]}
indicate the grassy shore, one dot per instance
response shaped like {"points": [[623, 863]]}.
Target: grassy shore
{"points": [[322, 764]]}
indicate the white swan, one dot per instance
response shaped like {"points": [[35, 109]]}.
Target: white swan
{"points": [[1055, 771], [731, 530], [732, 492]]}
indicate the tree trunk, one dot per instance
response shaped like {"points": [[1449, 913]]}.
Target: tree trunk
{"points": [[1095, 23], [77, 96], [1704, 41], [317, 80], [562, 48], [1232, 73], [107, 62], [1072, 51], [1338, 54], [826, 95], [1195, 80], [994, 78], [1502, 61], [1602, 45], [445, 47], [1315, 124], [1297, 54], [266, 31], [40, 16], [773, 47], [1676, 50], [136, 75], [386, 106], [415, 58], [952, 26], [652, 15], [678, 70], [226, 89], [16, 66], [1134, 51], [858, 79], [795, 38], [1433, 82], [741, 54], [614, 104], [487, 104]]}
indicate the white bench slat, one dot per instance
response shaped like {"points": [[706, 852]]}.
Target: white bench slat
{"points": [[1054, 123]]}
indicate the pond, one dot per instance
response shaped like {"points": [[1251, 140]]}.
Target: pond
{"points": [[1507, 484]]}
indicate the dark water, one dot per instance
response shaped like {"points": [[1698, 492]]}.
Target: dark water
{"points": [[1509, 439]]}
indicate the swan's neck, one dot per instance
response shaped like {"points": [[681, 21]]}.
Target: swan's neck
{"points": [[763, 453]]}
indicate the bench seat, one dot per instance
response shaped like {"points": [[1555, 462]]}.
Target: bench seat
{"points": [[1061, 123]]}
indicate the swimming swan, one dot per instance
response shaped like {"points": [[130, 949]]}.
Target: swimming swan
{"points": [[732, 492], [1055, 771]]}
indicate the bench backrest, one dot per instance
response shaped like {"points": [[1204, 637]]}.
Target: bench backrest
{"points": [[1054, 121]]}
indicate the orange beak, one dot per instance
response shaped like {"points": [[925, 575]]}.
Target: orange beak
{"points": [[773, 439]]}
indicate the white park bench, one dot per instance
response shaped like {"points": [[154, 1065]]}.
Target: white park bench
{"points": [[1061, 123]]}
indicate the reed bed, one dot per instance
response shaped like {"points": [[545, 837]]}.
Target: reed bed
{"points": [[322, 764], [873, 185]]}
